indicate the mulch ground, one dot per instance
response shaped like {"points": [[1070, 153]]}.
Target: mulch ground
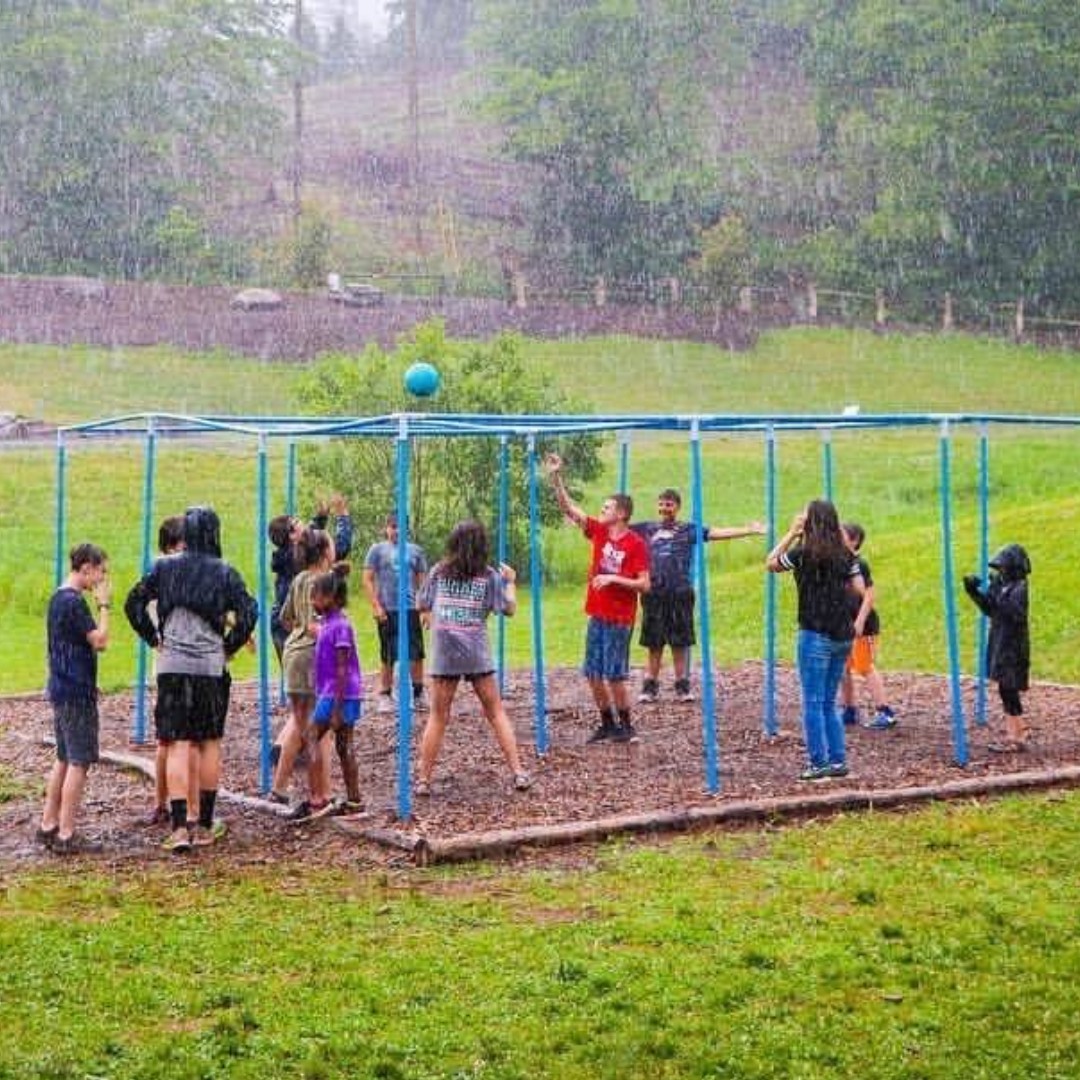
{"points": [[574, 783]]}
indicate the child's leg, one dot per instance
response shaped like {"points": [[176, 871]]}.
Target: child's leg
{"points": [[487, 690], [1015, 729], [350, 773], [161, 782], [442, 696]]}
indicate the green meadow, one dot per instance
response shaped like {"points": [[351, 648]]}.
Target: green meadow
{"points": [[932, 945], [887, 480]]}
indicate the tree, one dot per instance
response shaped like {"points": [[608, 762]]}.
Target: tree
{"points": [[118, 112], [452, 478], [606, 100], [948, 148]]}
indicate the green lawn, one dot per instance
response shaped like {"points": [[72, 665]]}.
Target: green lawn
{"points": [[938, 945]]}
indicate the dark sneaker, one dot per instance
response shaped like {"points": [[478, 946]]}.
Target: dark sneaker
{"points": [[650, 692], [76, 844], [625, 733], [309, 811], [683, 693], [838, 768], [46, 837], [850, 715], [207, 837], [158, 816], [601, 734], [277, 798], [883, 719], [817, 772]]}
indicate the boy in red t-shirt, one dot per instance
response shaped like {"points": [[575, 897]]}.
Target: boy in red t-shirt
{"points": [[618, 571]]}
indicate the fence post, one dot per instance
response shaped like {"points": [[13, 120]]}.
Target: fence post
{"points": [[1019, 319], [600, 292], [811, 301], [947, 315], [746, 300], [879, 307], [519, 289]]}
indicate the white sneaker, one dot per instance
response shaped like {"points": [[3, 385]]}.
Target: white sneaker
{"points": [[386, 704]]}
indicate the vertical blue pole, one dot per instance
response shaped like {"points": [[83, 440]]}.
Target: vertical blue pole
{"points": [[138, 735], [827, 462], [59, 558], [769, 721], [404, 684], [948, 584], [984, 560], [624, 462], [290, 478], [701, 575], [504, 514], [262, 520], [536, 589]]}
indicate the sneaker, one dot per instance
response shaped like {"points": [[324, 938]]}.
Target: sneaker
{"points": [[158, 816], [683, 693], [422, 788], [601, 733], [850, 715], [46, 837], [420, 702], [309, 811], [207, 837], [883, 719], [838, 768], [625, 733], [277, 798], [522, 781], [650, 692], [178, 842], [348, 808], [385, 705], [275, 755], [816, 772], [76, 844]]}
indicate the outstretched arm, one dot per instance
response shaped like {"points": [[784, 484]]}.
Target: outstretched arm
{"points": [[553, 463], [736, 532]]}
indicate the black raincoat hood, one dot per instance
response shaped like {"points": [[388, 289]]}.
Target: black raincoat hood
{"points": [[1011, 562], [202, 531]]}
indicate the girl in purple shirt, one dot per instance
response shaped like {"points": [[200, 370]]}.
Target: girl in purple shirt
{"points": [[339, 687]]}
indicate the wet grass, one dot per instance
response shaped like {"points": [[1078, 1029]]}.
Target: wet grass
{"points": [[931, 945]]}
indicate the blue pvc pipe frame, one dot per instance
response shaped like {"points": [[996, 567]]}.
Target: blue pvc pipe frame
{"points": [[540, 731], [701, 577], [984, 568], [149, 469], [404, 682], [262, 521], [827, 463], [624, 462], [960, 745], [59, 554]]}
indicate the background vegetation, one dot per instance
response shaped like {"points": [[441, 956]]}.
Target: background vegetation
{"points": [[888, 480]]}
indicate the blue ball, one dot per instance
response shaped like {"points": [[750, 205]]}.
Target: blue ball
{"points": [[422, 379]]}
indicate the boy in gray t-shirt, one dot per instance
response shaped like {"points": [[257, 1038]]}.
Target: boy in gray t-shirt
{"points": [[381, 585]]}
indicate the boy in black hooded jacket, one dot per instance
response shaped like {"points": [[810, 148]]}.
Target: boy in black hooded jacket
{"points": [[1008, 652]]}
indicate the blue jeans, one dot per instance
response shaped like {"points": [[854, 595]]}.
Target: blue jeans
{"points": [[821, 667]]}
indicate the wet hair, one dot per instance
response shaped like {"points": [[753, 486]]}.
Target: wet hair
{"points": [[170, 534], [624, 504], [670, 495], [466, 552], [279, 530], [82, 554], [202, 531], [855, 533], [822, 538], [334, 584], [311, 547]]}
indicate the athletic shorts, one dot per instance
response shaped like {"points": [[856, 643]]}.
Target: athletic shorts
{"points": [[191, 707], [351, 711], [860, 660], [388, 631], [75, 724], [607, 650], [469, 676], [299, 668], [667, 618]]}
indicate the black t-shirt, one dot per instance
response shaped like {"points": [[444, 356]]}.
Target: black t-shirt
{"points": [[824, 595], [872, 626], [72, 660]]}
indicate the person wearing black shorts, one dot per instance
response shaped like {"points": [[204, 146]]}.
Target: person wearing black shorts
{"points": [[668, 607], [204, 615]]}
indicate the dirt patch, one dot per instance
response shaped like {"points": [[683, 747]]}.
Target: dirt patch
{"points": [[575, 783]]}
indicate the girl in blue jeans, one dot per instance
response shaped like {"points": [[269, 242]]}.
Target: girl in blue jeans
{"points": [[826, 573]]}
